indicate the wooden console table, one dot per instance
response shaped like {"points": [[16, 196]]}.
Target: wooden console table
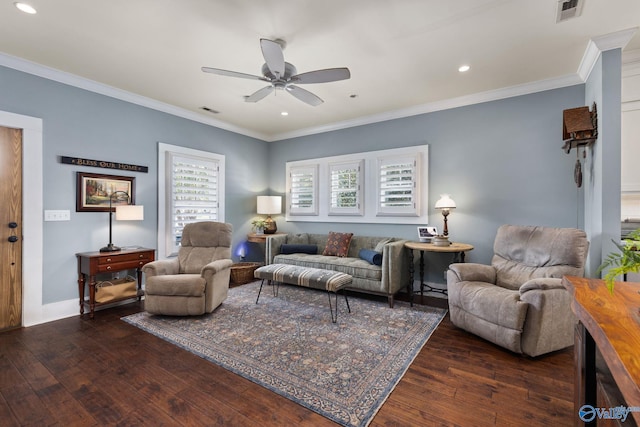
{"points": [[609, 325], [457, 249], [92, 263]]}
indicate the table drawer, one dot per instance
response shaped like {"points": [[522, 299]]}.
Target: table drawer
{"points": [[119, 258], [119, 266]]}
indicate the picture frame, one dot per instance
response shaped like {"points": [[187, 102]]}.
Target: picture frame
{"points": [[93, 191], [425, 234]]}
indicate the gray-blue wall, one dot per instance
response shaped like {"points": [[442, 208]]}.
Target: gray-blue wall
{"points": [[500, 161], [84, 124]]}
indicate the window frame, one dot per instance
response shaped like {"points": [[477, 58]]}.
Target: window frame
{"points": [[166, 155], [312, 171]]}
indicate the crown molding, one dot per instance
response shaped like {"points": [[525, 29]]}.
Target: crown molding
{"points": [[113, 92], [599, 44], [463, 101]]}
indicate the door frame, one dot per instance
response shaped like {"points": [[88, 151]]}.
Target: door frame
{"points": [[33, 312]]}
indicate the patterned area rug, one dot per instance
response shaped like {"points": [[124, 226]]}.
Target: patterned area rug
{"points": [[343, 371]]}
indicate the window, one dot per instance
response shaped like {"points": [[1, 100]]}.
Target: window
{"points": [[191, 188], [303, 190], [398, 179], [377, 187], [346, 188]]}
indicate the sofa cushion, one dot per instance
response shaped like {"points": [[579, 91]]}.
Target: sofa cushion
{"points": [[355, 267], [338, 244], [292, 248]]}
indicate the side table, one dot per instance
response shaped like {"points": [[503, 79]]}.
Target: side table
{"points": [[92, 263], [260, 238], [457, 249]]}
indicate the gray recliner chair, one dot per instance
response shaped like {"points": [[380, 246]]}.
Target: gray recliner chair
{"points": [[197, 280], [518, 302]]}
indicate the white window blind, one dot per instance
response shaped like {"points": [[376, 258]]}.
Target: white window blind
{"points": [[398, 192], [194, 194], [190, 189], [303, 191], [346, 188]]}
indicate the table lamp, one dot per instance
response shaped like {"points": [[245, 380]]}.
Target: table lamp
{"points": [[123, 213], [445, 204], [269, 205]]}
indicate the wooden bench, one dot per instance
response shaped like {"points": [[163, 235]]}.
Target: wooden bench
{"points": [[331, 281]]}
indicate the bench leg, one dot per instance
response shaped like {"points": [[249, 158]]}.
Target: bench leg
{"points": [[334, 318], [344, 291], [261, 283]]}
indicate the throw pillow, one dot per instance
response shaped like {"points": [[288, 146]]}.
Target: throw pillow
{"points": [[372, 257], [298, 249], [338, 244], [380, 246]]}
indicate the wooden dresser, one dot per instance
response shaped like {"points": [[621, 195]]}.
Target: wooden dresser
{"points": [[92, 263], [607, 350]]}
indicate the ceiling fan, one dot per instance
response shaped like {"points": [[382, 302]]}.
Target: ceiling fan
{"points": [[282, 75]]}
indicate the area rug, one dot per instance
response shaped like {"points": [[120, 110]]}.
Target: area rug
{"points": [[288, 344]]}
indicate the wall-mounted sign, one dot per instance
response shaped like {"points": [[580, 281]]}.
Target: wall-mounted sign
{"points": [[103, 164]]}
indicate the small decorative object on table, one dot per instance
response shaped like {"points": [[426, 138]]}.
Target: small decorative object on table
{"points": [[259, 225], [626, 261]]}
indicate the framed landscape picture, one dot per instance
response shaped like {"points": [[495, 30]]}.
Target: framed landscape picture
{"points": [[93, 191]]}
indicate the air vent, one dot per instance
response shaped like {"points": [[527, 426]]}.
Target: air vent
{"points": [[568, 9], [210, 110]]}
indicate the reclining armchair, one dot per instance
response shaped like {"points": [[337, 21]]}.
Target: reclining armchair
{"points": [[197, 280], [518, 302]]}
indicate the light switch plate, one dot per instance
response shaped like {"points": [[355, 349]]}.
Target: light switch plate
{"points": [[57, 215]]}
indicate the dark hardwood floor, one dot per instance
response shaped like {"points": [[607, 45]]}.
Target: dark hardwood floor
{"points": [[105, 372]]}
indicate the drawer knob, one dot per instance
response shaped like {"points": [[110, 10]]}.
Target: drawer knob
{"points": [[108, 259], [108, 267], [141, 256], [141, 263]]}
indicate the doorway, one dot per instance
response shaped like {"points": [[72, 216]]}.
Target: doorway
{"points": [[11, 226]]}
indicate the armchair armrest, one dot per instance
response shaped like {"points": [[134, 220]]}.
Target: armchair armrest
{"points": [[162, 267], [272, 247], [214, 267], [472, 272], [542, 284]]}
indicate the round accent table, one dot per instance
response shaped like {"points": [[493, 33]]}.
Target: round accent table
{"points": [[457, 249]]}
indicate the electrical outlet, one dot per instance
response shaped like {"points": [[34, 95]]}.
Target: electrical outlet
{"points": [[59, 215]]}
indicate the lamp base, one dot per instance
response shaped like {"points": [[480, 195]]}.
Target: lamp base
{"points": [[110, 248], [270, 226]]}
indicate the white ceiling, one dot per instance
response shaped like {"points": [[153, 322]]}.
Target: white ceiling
{"points": [[403, 54]]}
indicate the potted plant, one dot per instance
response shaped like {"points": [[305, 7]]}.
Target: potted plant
{"points": [[259, 225], [623, 262]]}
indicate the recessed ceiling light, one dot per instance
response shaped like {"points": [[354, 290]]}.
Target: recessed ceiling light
{"points": [[284, 113], [26, 8], [464, 68]]}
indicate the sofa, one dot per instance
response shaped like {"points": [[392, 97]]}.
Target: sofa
{"points": [[384, 279]]}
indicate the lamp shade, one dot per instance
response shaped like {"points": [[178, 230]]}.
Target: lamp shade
{"points": [[130, 213], [445, 202], [269, 205]]}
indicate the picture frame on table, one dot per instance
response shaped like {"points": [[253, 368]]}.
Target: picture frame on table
{"points": [[94, 190], [426, 233]]}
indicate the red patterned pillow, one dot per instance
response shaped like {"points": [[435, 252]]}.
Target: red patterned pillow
{"points": [[338, 244]]}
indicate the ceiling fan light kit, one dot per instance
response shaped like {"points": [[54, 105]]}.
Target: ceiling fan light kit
{"points": [[283, 75]]}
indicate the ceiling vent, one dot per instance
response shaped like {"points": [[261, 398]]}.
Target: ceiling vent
{"points": [[568, 9]]}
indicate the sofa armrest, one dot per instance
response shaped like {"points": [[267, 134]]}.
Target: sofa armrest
{"points": [[272, 247], [161, 267], [471, 272], [395, 267]]}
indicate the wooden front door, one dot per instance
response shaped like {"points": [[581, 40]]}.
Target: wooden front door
{"points": [[11, 228]]}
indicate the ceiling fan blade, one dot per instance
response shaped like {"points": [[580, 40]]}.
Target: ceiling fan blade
{"points": [[273, 56], [257, 96], [304, 95], [232, 74], [322, 76]]}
